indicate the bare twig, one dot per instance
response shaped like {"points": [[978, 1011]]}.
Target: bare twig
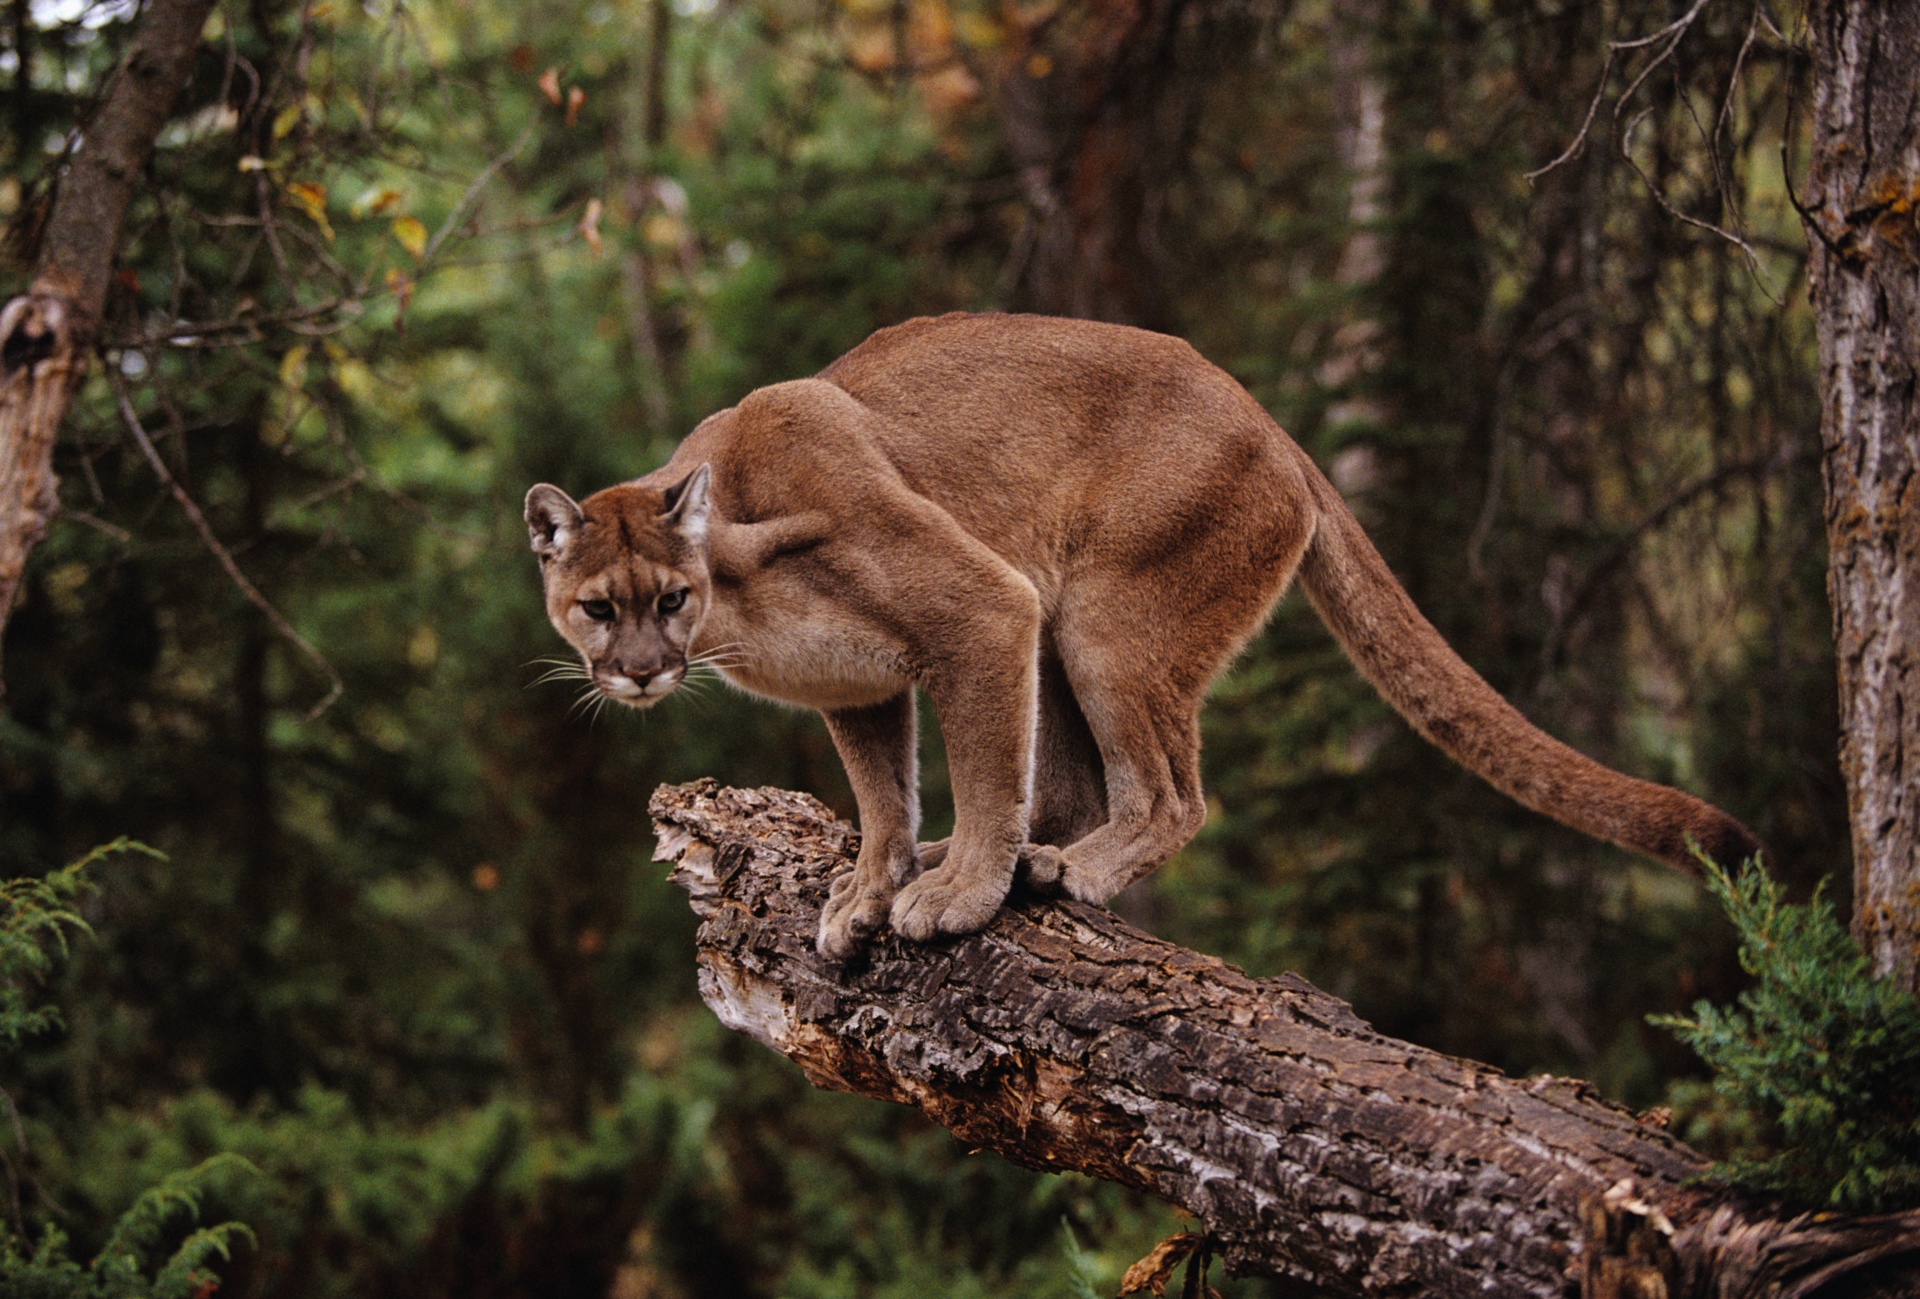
{"points": [[1668, 40], [335, 686], [98, 524], [472, 193], [1617, 554], [1676, 29]]}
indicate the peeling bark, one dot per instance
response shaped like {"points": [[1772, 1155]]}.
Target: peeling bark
{"points": [[45, 334], [1863, 218], [1309, 1145]]}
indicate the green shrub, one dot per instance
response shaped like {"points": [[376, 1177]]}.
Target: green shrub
{"points": [[1816, 1075], [35, 915], [120, 1269]]}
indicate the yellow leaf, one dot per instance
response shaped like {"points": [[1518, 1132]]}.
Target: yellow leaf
{"points": [[356, 379], [981, 31], [288, 119], [412, 235], [293, 367], [254, 163], [375, 202], [663, 230], [312, 199], [401, 287]]}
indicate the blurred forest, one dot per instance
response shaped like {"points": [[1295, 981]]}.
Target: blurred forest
{"points": [[395, 261]]}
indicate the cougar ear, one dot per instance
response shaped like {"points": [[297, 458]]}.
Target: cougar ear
{"points": [[689, 504], [552, 519]]}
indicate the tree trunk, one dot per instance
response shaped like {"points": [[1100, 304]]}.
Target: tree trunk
{"points": [[45, 333], [1308, 1145], [1097, 117], [1863, 218]]}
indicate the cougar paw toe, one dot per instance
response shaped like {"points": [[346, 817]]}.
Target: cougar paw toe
{"points": [[946, 902], [852, 915]]}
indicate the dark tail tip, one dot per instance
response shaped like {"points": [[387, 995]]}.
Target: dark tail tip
{"points": [[1726, 843]]}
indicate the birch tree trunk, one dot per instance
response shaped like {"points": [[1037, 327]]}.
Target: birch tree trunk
{"points": [[45, 333], [1863, 218]]}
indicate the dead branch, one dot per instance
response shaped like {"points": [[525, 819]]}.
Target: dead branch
{"points": [[45, 335], [1309, 1145], [278, 620]]}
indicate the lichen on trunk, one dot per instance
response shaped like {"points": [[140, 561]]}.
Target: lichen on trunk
{"points": [[1863, 192]]}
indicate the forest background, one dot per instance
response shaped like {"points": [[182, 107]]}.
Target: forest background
{"points": [[392, 263]]}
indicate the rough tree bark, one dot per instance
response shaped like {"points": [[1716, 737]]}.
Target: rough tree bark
{"points": [[1863, 218], [1310, 1146], [45, 333]]}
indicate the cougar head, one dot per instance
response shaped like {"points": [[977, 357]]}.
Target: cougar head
{"points": [[626, 579]]}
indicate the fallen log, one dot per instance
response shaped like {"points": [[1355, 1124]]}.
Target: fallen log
{"points": [[1309, 1146]]}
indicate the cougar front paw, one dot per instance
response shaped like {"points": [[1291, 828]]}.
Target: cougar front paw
{"points": [[852, 915], [949, 901]]}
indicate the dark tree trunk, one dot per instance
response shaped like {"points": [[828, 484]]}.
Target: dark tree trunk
{"points": [[1308, 1145], [1863, 217], [1097, 112], [45, 333]]}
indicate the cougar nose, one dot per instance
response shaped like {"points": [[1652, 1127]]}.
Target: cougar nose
{"points": [[629, 684]]}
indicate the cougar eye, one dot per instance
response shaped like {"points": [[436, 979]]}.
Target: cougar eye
{"points": [[672, 601], [598, 610]]}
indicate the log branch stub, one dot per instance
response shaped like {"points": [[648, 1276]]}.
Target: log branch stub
{"points": [[1309, 1145]]}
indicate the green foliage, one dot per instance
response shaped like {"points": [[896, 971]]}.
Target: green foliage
{"points": [[123, 1269], [35, 914], [1816, 1077], [420, 971]]}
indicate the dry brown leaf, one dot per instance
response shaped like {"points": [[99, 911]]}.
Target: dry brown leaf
{"points": [[1151, 1272], [589, 226]]}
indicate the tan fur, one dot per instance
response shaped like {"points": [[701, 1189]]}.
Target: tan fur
{"points": [[1061, 531]]}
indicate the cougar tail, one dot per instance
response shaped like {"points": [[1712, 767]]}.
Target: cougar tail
{"points": [[1400, 653]]}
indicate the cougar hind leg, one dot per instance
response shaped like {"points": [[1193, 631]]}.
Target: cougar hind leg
{"points": [[1150, 746], [1069, 777], [1139, 648]]}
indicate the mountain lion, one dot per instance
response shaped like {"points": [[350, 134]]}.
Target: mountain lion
{"points": [[1061, 531]]}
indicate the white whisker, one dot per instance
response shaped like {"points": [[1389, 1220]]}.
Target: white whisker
{"points": [[558, 674], [558, 669]]}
